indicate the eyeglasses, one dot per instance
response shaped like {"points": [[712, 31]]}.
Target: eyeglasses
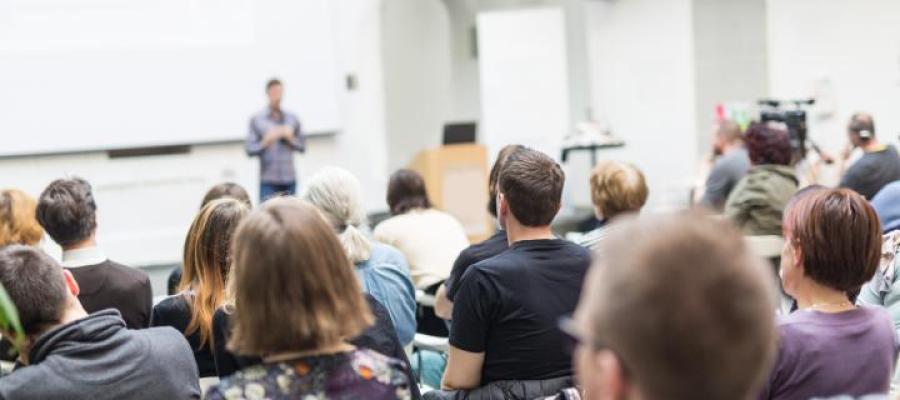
{"points": [[573, 336]]}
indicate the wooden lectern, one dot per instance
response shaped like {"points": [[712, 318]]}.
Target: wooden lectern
{"points": [[456, 178]]}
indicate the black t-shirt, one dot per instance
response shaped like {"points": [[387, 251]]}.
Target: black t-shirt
{"points": [[872, 172], [473, 254], [508, 307], [175, 311]]}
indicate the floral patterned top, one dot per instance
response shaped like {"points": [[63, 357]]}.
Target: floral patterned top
{"points": [[359, 374]]}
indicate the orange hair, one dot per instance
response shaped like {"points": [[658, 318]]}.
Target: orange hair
{"points": [[18, 220]]}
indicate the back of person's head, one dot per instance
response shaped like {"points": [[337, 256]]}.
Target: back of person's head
{"points": [[67, 211], [18, 223], [406, 191], [295, 289], [531, 185], [768, 143], [207, 261], [337, 193], [729, 131], [494, 176], [228, 190], [617, 188], [36, 285], [835, 239], [861, 128], [686, 312], [887, 205]]}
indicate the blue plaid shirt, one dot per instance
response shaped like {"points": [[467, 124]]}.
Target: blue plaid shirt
{"points": [[276, 162]]}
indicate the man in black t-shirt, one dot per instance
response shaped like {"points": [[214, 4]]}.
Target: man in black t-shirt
{"points": [[507, 307], [879, 166], [496, 244]]}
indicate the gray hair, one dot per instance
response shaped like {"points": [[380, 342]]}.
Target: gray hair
{"points": [[337, 193]]}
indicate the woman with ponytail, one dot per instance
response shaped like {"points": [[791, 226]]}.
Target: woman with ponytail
{"points": [[381, 269], [207, 261]]}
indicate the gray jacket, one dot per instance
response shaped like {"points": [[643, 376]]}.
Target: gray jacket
{"points": [[97, 358]]}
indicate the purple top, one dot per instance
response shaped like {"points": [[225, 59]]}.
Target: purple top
{"points": [[824, 355]]}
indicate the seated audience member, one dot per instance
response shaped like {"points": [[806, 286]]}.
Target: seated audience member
{"points": [[887, 205], [831, 347], [757, 202], [430, 239], [507, 307], [337, 194], [879, 165], [68, 212], [18, 224], [730, 166], [616, 188], [202, 288], [492, 246], [69, 354], [295, 301], [225, 190], [670, 335]]}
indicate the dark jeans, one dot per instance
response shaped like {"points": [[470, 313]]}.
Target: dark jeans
{"points": [[269, 190]]}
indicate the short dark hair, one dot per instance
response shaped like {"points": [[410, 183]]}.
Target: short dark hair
{"points": [[861, 122], [494, 176], [227, 190], [406, 191], [720, 336], [839, 237], [767, 144], [531, 183], [67, 211], [36, 286], [272, 82]]}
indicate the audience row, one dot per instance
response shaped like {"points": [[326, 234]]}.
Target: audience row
{"points": [[297, 297]]}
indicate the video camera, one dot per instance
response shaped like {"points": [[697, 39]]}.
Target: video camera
{"points": [[792, 114]]}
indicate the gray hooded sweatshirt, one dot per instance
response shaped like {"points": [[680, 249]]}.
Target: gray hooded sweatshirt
{"points": [[97, 358]]}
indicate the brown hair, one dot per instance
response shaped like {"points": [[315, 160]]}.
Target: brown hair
{"points": [[494, 176], [18, 221], [532, 185], [406, 191], [227, 190], [838, 235], [694, 279], [295, 289], [617, 188], [207, 260], [768, 144], [67, 211], [36, 286]]}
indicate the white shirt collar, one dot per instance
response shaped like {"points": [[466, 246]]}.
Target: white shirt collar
{"points": [[83, 257]]}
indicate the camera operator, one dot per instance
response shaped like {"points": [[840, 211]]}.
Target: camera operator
{"points": [[879, 165]]}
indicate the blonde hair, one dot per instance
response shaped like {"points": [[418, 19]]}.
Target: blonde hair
{"points": [[18, 219], [336, 192], [294, 286], [617, 188], [207, 259]]}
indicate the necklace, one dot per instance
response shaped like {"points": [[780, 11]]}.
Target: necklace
{"points": [[838, 305]]}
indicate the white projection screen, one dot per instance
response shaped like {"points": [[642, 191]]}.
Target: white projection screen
{"points": [[104, 74]]}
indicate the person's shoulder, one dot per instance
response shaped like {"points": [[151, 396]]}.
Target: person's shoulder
{"points": [[171, 308], [233, 386], [126, 274], [377, 362]]}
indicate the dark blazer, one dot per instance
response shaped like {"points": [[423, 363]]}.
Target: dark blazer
{"points": [[113, 285], [380, 337]]}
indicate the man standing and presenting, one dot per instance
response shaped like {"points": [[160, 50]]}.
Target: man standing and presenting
{"points": [[274, 136]]}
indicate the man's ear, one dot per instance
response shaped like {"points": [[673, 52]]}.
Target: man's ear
{"points": [[614, 381], [502, 207], [71, 283]]}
